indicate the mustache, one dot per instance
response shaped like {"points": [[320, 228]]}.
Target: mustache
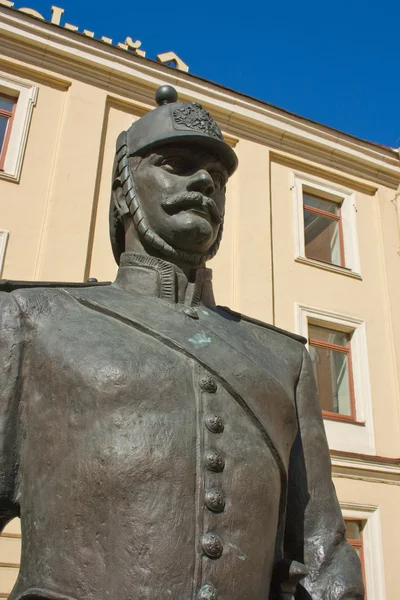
{"points": [[188, 200]]}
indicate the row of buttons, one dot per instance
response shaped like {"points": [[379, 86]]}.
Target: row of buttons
{"points": [[213, 498]]}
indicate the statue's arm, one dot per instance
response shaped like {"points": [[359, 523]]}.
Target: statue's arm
{"points": [[10, 380], [315, 531]]}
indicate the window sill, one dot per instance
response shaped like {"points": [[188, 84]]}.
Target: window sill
{"points": [[9, 177], [341, 418], [327, 267]]}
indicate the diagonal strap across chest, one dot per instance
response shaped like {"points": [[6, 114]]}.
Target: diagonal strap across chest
{"points": [[261, 396]]}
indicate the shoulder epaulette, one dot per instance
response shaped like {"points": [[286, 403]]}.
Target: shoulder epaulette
{"points": [[10, 285], [239, 316]]}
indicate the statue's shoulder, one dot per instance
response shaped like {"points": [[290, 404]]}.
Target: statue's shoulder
{"points": [[38, 299], [9, 285], [29, 295], [241, 317]]}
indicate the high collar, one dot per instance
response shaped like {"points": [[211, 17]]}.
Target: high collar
{"points": [[150, 276]]}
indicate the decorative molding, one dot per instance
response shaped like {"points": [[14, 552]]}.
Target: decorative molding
{"points": [[331, 316], [364, 467], [230, 139], [327, 267], [330, 153], [308, 168], [4, 235], [36, 73], [14, 536], [79, 55], [138, 109], [346, 436], [26, 93], [355, 506]]}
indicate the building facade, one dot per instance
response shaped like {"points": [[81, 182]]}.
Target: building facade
{"points": [[311, 241]]}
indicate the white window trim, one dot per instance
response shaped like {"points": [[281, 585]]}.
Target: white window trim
{"points": [[347, 199], [372, 544], [26, 93], [3, 245], [342, 435]]}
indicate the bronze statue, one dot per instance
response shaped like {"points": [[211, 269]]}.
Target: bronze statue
{"points": [[156, 445]]}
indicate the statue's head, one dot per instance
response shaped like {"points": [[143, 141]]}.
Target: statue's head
{"points": [[169, 178]]}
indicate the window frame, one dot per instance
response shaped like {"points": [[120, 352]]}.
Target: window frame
{"points": [[345, 350], [25, 93], [374, 564], [4, 235], [346, 200], [346, 435], [11, 116]]}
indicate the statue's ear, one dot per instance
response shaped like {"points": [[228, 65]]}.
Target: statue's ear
{"points": [[119, 198]]}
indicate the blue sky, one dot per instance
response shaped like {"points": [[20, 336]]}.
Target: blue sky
{"points": [[336, 63]]}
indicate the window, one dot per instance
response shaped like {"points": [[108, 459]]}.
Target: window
{"points": [[325, 226], [364, 533], [323, 235], [7, 112], [17, 100], [355, 538], [339, 353], [3, 246], [331, 358]]}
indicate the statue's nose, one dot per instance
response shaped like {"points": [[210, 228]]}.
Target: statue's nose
{"points": [[201, 181]]}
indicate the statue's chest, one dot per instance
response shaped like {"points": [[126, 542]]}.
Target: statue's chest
{"points": [[93, 356], [154, 445], [136, 384]]}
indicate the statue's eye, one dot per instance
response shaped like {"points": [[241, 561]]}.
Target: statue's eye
{"points": [[173, 164], [218, 179]]}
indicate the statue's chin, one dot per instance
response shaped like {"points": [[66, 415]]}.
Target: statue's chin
{"points": [[191, 233]]}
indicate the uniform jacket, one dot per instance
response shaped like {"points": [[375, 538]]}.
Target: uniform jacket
{"points": [[157, 446]]}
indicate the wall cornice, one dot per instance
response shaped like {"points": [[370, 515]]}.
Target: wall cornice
{"points": [[73, 55], [378, 469], [24, 70], [324, 172]]}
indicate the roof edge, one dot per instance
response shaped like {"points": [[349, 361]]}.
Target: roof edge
{"points": [[235, 107]]}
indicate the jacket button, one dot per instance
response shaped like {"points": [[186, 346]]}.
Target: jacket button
{"points": [[214, 500], [212, 545], [214, 461], [208, 384], [207, 592], [214, 423]]}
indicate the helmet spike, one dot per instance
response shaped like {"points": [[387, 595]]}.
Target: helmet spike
{"points": [[166, 94]]}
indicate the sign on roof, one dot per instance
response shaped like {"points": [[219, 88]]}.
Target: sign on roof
{"points": [[166, 58]]}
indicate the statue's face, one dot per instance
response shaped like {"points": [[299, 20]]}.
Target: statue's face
{"points": [[182, 193]]}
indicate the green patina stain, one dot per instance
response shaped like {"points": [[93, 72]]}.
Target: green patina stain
{"points": [[199, 340]]}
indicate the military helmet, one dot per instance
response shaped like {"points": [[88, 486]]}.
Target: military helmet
{"points": [[174, 121]]}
